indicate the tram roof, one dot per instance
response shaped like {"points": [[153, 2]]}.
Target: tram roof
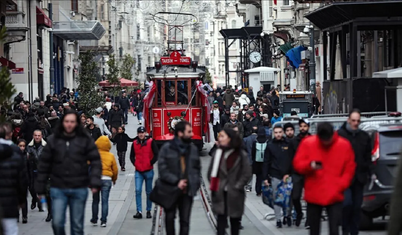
{"points": [[181, 71]]}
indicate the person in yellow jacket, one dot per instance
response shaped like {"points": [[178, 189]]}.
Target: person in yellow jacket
{"points": [[109, 176]]}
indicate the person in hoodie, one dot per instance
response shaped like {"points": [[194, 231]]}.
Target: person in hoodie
{"points": [[297, 179], [143, 155], [109, 177], [361, 144], [258, 154], [100, 122], [327, 163], [244, 100], [13, 183], [276, 168], [121, 139], [248, 145]]}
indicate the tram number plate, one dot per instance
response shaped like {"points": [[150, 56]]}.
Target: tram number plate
{"points": [[293, 96]]}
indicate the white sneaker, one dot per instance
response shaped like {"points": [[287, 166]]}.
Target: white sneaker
{"points": [[103, 225]]}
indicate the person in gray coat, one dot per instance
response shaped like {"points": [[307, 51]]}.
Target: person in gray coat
{"points": [[228, 173]]}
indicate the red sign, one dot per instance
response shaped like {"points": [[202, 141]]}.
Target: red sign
{"points": [[175, 59], [17, 71]]}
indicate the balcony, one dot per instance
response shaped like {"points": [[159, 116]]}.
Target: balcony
{"points": [[256, 3], [79, 30], [16, 26]]}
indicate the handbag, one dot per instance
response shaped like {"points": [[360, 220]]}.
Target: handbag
{"points": [[164, 194]]}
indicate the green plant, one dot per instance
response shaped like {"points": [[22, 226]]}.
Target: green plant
{"points": [[208, 77], [127, 66], [7, 90], [113, 75], [89, 98]]}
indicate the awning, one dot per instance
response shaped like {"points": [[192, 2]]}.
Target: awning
{"points": [[242, 33], [341, 13], [79, 30], [42, 19], [123, 83], [7, 63]]}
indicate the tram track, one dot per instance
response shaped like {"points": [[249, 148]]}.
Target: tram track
{"points": [[158, 218]]}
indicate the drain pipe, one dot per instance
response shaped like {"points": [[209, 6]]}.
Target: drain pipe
{"points": [[30, 78]]}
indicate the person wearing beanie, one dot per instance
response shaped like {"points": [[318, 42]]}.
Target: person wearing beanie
{"points": [[249, 123], [257, 153], [289, 130], [276, 117]]}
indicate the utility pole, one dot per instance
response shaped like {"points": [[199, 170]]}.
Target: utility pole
{"points": [[312, 61]]}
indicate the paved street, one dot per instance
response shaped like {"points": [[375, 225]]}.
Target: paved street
{"points": [[122, 207]]}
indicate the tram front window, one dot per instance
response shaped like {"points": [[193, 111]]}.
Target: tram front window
{"points": [[181, 90]]}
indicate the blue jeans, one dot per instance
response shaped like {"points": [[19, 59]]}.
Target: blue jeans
{"points": [[105, 191], [148, 176], [139, 116], [125, 112], [75, 199]]}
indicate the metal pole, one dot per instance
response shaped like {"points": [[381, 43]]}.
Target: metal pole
{"points": [[50, 6], [312, 61]]}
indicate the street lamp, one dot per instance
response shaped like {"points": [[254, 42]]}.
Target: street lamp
{"points": [[309, 29]]}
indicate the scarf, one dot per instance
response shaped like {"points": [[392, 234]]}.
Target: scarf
{"points": [[214, 186]]}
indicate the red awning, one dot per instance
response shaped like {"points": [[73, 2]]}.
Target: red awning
{"points": [[42, 18], [123, 83], [7, 63]]}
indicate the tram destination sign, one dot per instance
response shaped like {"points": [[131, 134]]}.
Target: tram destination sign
{"points": [[295, 96], [175, 58]]}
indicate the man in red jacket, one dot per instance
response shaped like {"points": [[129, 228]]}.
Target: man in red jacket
{"points": [[143, 155], [327, 162]]}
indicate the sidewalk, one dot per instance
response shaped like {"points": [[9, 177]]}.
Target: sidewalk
{"points": [[121, 196]]}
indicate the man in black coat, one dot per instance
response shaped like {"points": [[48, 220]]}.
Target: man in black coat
{"points": [[361, 144], [72, 161], [179, 166], [297, 179], [93, 130], [124, 103], [13, 183], [116, 118]]}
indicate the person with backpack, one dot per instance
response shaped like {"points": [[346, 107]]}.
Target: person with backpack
{"points": [[257, 153]]}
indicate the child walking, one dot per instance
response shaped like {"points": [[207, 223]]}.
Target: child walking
{"points": [[109, 177], [121, 140]]}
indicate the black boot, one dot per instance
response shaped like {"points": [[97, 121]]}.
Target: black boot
{"points": [[138, 215], [49, 217]]}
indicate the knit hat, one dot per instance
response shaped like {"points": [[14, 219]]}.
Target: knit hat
{"points": [[288, 125], [250, 112], [265, 115]]}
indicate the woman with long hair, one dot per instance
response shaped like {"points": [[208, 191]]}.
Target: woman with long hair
{"points": [[22, 144], [228, 173]]}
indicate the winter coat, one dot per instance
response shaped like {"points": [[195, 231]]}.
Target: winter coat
{"points": [[277, 161], [109, 165], [14, 182], [228, 97], [248, 126], [28, 127], [65, 161], [361, 144], [99, 122], [274, 101], [116, 118], [293, 146], [94, 132], [239, 126], [144, 154], [257, 166], [325, 186], [234, 180], [121, 140], [169, 165], [124, 102], [248, 145], [243, 100], [53, 121], [224, 119], [34, 155], [220, 102]]}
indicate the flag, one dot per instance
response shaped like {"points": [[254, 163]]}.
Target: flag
{"points": [[148, 100]]}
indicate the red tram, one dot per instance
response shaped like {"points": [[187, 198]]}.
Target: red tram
{"points": [[176, 93]]}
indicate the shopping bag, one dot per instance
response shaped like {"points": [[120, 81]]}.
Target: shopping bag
{"points": [[267, 196], [283, 194]]}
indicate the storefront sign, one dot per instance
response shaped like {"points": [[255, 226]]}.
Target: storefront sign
{"points": [[175, 58], [17, 71], [295, 96]]}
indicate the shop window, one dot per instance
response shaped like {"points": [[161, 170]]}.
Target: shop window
{"points": [[178, 90]]}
